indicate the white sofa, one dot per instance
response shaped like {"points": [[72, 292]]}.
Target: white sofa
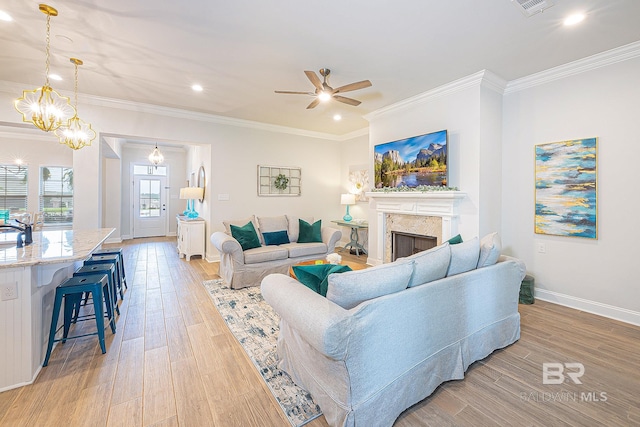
{"points": [[241, 269], [383, 339]]}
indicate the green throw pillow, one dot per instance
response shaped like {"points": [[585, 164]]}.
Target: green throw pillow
{"points": [[315, 277], [246, 236], [310, 233], [455, 240]]}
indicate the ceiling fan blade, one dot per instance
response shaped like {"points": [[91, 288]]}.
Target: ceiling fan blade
{"points": [[346, 100], [313, 104], [314, 79], [353, 86], [295, 93]]}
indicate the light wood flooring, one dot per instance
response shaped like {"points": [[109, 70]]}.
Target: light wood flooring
{"points": [[173, 362]]}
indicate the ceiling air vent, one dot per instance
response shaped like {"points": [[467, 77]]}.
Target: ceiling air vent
{"points": [[531, 7]]}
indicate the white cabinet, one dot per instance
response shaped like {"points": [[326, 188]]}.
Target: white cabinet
{"points": [[190, 237]]}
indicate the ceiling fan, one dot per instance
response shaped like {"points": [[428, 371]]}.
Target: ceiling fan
{"points": [[324, 92]]}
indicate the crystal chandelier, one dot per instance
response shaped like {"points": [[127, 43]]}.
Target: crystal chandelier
{"points": [[156, 157], [76, 133], [43, 106]]}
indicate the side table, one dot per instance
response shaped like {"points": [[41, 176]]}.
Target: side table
{"points": [[355, 226]]}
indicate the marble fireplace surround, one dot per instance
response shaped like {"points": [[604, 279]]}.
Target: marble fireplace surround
{"points": [[431, 213]]}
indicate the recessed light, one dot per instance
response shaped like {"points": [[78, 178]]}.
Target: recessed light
{"points": [[574, 19], [55, 77], [4, 16], [337, 117], [197, 88]]}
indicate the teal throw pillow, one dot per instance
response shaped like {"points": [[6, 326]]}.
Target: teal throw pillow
{"points": [[310, 233], [455, 240], [315, 277], [246, 236], [276, 238]]}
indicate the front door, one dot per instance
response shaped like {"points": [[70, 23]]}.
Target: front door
{"points": [[149, 206]]}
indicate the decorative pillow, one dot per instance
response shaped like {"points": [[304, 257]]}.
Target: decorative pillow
{"points": [[276, 237], [455, 240], [310, 233], [490, 247], [245, 235], [464, 257], [239, 223], [294, 227], [351, 288], [315, 277], [430, 265]]}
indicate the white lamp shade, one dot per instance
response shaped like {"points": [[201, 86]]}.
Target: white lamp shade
{"points": [[348, 199], [191, 193]]}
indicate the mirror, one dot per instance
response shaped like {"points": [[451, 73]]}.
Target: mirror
{"points": [[201, 181]]}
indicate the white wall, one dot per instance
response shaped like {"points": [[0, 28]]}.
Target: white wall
{"points": [[354, 155], [594, 275]]}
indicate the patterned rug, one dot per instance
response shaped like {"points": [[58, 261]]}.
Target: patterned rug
{"points": [[255, 325]]}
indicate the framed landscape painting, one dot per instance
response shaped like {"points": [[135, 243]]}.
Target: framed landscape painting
{"points": [[565, 188]]}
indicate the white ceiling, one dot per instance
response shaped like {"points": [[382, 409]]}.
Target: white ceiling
{"points": [[242, 50]]}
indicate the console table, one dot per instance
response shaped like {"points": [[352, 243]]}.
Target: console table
{"points": [[190, 237], [355, 226]]}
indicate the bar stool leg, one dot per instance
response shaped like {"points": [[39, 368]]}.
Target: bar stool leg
{"points": [[54, 325], [97, 306]]}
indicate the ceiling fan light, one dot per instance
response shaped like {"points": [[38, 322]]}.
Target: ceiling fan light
{"points": [[324, 96]]}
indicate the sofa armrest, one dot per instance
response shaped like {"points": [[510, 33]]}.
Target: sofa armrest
{"points": [[521, 265], [228, 245], [320, 322], [330, 236]]}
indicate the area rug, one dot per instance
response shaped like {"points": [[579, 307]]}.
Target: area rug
{"points": [[255, 325]]}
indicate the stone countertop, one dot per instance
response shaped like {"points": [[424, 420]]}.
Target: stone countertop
{"points": [[54, 246]]}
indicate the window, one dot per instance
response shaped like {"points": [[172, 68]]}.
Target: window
{"points": [[149, 170], [149, 198], [56, 194], [13, 188]]}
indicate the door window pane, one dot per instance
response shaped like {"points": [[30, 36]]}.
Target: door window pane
{"points": [[149, 198]]}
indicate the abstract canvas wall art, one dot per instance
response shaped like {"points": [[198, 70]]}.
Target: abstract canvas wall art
{"points": [[565, 192]]}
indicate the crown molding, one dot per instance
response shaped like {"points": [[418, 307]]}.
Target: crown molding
{"points": [[609, 57], [485, 78], [139, 107]]}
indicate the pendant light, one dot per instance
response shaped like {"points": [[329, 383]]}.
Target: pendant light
{"points": [[156, 157], [45, 108], [76, 133]]}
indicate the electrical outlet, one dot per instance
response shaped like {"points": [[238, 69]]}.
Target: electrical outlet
{"points": [[542, 248], [9, 291]]}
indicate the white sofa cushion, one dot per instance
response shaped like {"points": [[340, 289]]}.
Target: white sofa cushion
{"points": [[264, 254], [464, 257], [351, 288], [294, 226], [305, 249], [430, 265], [270, 224], [490, 247]]}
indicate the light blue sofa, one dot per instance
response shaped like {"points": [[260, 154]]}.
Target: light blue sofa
{"points": [[383, 340]]}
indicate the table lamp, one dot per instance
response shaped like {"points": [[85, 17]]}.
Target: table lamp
{"points": [[189, 194], [347, 199]]}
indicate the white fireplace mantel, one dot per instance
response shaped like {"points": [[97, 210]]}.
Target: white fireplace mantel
{"points": [[442, 204]]}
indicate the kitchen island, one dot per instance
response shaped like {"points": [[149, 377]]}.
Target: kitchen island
{"points": [[28, 278]]}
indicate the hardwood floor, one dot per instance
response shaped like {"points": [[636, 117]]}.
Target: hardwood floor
{"points": [[173, 362]]}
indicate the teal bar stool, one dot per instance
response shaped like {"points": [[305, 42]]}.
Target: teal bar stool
{"points": [[109, 259], [115, 251], [71, 290], [92, 269]]}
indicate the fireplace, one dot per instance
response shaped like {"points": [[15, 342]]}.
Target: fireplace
{"points": [[432, 214], [406, 244]]}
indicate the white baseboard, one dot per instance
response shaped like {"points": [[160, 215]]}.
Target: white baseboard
{"points": [[114, 240], [605, 310], [172, 234], [126, 237], [212, 258]]}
